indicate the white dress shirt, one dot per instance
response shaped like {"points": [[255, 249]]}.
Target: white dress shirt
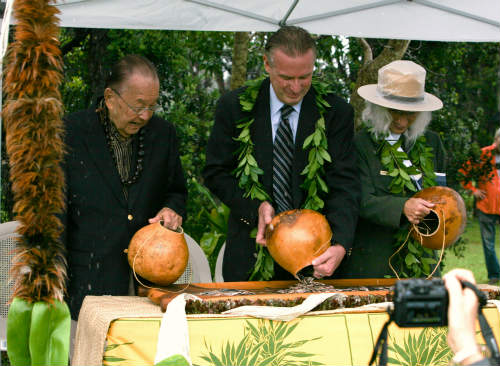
{"points": [[276, 105]]}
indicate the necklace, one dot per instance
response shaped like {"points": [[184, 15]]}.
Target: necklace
{"points": [[415, 260], [316, 144], [247, 171], [392, 159], [129, 179]]}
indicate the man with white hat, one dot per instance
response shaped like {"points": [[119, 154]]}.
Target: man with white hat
{"points": [[397, 156]]}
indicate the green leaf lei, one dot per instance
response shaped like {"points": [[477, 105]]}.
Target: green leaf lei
{"points": [[247, 172], [415, 260]]}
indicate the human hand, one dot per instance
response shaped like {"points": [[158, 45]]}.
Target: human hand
{"points": [[266, 213], [462, 314], [170, 218], [327, 263], [415, 209], [479, 194]]}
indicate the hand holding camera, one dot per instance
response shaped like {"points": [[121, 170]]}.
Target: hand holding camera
{"points": [[462, 317], [454, 301]]}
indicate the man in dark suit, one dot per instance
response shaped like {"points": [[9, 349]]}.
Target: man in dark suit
{"points": [[289, 60], [122, 171]]}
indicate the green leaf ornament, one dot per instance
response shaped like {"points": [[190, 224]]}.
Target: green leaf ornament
{"points": [[38, 333], [248, 171]]}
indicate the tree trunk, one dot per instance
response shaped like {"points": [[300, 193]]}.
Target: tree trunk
{"points": [[368, 74], [98, 42], [240, 54]]}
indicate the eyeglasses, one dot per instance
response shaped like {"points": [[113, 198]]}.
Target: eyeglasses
{"points": [[138, 110]]}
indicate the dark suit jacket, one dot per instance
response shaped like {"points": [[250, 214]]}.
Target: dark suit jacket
{"points": [[99, 222], [381, 212], [341, 203]]}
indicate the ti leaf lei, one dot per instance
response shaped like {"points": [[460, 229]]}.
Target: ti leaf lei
{"points": [[414, 261], [248, 172]]}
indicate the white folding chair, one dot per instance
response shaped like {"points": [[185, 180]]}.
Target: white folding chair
{"points": [[8, 240], [218, 264], [198, 269]]}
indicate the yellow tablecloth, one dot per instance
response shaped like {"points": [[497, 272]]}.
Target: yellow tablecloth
{"points": [[328, 338]]}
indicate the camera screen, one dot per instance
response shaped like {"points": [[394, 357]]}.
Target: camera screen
{"points": [[423, 314]]}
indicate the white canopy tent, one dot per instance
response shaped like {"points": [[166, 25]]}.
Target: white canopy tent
{"points": [[439, 20]]}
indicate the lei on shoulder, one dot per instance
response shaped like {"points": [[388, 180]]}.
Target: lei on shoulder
{"points": [[248, 172], [416, 260]]}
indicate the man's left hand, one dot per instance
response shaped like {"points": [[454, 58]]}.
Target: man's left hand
{"points": [[266, 213], [327, 263], [169, 217]]}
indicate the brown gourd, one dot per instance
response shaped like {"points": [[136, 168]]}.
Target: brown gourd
{"points": [[296, 237], [158, 254], [445, 223]]}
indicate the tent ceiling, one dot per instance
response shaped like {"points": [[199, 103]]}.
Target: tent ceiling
{"points": [[441, 20]]}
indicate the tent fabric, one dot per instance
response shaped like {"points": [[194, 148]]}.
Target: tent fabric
{"points": [[438, 20]]}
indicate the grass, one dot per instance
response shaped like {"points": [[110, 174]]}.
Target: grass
{"points": [[473, 258]]}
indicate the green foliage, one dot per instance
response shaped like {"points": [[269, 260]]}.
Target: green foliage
{"points": [[214, 237], [109, 359], [247, 172], [393, 159], [429, 347], [263, 269], [317, 145], [471, 256], [413, 260], [478, 169], [175, 360], [264, 344], [465, 77], [337, 64]]}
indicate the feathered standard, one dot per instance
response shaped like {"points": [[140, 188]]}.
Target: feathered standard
{"points": [[32, 116]]}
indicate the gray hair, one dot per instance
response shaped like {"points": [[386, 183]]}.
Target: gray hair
{"points": [[126, 67], [497, 133], [379, 120]]}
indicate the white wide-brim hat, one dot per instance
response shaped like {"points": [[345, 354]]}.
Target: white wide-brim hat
{"points": [[401, 85]]}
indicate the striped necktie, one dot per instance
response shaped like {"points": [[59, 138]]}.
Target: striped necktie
{"points": [[282, 162]]}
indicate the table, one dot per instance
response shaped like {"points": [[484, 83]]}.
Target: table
{"points": [[334, 337]]}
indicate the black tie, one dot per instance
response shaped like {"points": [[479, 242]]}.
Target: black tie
{"points": [[282, 162]]}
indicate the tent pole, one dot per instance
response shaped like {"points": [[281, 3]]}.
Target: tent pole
{"points": [[427, 3], [354, 9], [230, 9], [285, 18], [431, 4]]}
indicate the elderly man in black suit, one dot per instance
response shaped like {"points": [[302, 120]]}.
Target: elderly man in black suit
{"points": [[122, 172], [272, 120]]}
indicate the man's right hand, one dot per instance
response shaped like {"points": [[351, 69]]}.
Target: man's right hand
{"points": [[462, 315], [266, 214], [416, 209], [479, 194]]}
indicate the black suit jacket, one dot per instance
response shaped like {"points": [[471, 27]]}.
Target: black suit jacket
{"points": [[99, 222], [341, 203]]}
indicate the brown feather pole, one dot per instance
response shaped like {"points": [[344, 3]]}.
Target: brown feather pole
{"points": [[33, 126]]}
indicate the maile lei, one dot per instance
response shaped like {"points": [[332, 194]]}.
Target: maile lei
{"points": [[416, 260], [248, 171]]}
